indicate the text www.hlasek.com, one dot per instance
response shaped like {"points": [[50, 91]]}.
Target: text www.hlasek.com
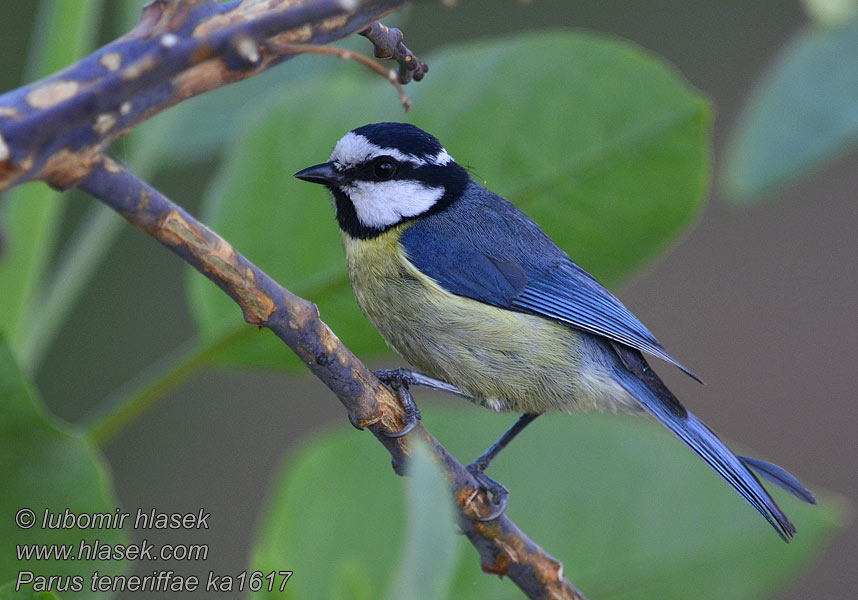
{"points": [[99, 551]]}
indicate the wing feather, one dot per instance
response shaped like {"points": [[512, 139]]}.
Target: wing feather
{"points": [[571, 296], [488, 250]]}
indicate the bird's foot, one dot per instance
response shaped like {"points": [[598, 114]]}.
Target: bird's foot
{"points": [[404, 377], [497, 493], [398, 380]]}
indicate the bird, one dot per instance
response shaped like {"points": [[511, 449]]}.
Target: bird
{"points": [[479, 300]]}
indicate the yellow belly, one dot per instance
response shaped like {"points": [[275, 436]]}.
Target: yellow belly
{"points": [[506, 360]]}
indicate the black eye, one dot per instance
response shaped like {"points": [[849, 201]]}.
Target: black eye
{"points": [[383, 168]]}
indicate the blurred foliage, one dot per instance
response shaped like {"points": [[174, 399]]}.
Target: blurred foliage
{"points": [[7, 592], [46, 465], [614, 164], [431, 544], [31, 214], [801, 113], [831, 13], [631, 513], [610, 152]]}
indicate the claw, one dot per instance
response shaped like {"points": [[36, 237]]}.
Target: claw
{"points": [[398, 380], [355, 423], [498, 493], [410, 423]]}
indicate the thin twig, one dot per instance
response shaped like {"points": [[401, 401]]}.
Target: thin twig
{"points": [[388, 45], [504, 549], [345, 54]]}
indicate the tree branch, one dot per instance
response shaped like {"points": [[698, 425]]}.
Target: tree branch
{"points": [[504, 549], [55, 129]]}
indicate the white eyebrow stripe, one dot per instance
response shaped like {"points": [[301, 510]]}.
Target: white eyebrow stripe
{"points": [[442, 158], [354, 149]]}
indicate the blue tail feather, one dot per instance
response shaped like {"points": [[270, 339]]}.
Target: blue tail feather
{"points": [[780, 477], [712, 450]]}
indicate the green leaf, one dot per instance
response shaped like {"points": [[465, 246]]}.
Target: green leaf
{"points": [[608, 152], [831, 13], [46, 465], [64, 32], [329, 516], [608, 149], [7, 592], [802, 112], [30, 215], [606, 495], [432, 546]]}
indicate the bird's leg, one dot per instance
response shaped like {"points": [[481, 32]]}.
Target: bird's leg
{"points": [[399, 386], [477, 468], [398, 380], [405, 377]]}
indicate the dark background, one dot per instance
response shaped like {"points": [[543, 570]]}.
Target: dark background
{"points": [[758, 301]]}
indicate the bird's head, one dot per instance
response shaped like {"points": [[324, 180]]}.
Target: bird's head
{"points": [[383, 174]]}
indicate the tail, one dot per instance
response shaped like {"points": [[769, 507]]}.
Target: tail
{"points": [[642, 383]]}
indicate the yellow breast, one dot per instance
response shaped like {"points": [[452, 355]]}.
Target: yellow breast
{"points": [[506, 360]]}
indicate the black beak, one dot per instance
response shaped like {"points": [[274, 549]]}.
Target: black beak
{"points": [[324, 173]]}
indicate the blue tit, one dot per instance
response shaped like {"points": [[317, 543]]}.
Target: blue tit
{"points": [[470, 291]]}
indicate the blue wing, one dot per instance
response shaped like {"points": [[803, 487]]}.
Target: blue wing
{"points": [[570, 295], [489, 251]]}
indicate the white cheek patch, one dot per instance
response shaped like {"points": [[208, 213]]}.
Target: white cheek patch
{"points": [[385, 203]]}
